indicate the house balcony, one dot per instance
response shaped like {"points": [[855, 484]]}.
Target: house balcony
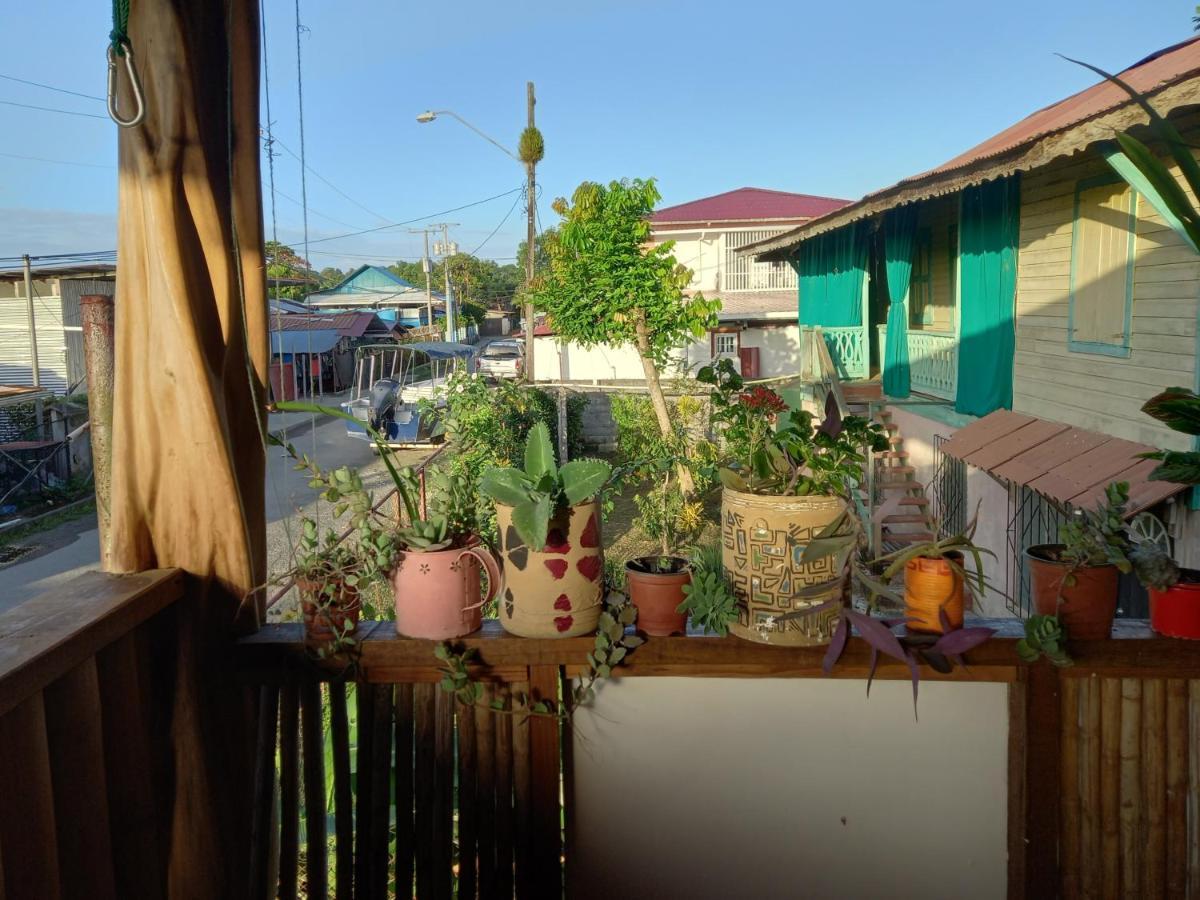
{"points": [[705, 764], [932, 361]]}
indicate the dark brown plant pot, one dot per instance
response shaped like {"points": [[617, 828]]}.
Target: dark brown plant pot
{"points": [[323, 622], [1175, 612], [658, 594], [1087, 607]]}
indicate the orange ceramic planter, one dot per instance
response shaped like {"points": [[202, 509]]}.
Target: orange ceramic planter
{"points": [[557, 591], [931, 586], [321, 621], [437, 592]]}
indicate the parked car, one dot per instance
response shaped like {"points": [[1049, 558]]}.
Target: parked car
{"points": [[502, 359]]}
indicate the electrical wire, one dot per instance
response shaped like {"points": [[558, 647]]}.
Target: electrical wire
{"points": [[65, 112], [498, 227], [61, 162], [319, 176], [444, 212], [50, 87]]}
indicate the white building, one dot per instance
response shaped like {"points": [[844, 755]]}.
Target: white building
{"points": [[758, 323]]}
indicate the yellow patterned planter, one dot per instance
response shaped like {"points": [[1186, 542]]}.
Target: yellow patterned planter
{"points": [[762, 539]]}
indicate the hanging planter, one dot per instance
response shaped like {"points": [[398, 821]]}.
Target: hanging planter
{"points": [[655, 585], [438, 593]]}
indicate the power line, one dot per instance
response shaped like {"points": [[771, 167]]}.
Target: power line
{"points": [[435, 215], [50, 87], [61, 162], [329, 183], [65, 112], [498, 227]]}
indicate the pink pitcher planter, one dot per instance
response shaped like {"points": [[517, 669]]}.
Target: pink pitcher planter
{"points": [[437, 592]]}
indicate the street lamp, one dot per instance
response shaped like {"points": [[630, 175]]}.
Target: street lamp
{"points": [[530, 165]]}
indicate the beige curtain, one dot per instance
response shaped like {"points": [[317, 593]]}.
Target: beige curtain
{"points": [[191, 352]]}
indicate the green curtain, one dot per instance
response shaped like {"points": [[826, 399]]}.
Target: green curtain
{"points": [[832, 267], [988, 230], [899, 231]]}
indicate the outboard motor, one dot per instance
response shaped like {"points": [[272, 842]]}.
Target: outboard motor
{"points": [[384, 394]]}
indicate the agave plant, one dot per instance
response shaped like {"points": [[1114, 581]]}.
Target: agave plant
{"points": [[543, 487]]}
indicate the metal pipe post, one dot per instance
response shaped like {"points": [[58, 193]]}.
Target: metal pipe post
{"points": [[33, 347]]}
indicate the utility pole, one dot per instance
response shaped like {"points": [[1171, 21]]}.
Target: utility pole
{"points": [[447, 248], [427, 268], [33, 348], [530, 236]]}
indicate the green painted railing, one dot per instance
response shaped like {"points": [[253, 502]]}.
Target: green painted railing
{"points": [[848, 348], [932, 361]]}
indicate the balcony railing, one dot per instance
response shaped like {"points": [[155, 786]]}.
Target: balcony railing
{"points": [[932, 361], [417, 796], [848, 348], [742, 273]]}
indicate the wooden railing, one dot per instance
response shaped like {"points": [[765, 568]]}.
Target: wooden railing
{"points": [[932, 361], [1103, 787], [82, 747]]}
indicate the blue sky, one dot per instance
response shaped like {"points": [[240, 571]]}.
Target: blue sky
{"points": [[830, 98]]}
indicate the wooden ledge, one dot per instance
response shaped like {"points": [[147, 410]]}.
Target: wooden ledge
{"points": [[46, 636], [1134, 651]]}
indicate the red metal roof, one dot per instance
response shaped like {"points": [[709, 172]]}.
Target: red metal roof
{"points": [[347, 324], [1159, 69], [748, 204], [1070, 465]]}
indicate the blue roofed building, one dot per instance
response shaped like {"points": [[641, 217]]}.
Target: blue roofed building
{"points": [[377, 287]]}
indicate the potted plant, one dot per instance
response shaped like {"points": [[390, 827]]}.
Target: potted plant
{"points": [[1077, 580], [708, 599], [432, 562], [327, 575], [656, 583], [790, 478], [1174, 591], [935, 579], [549, 523]]}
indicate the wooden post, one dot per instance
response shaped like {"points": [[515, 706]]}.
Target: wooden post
{"points": [[96, 318], [1035, 734], [546, 837], [530, 238], [1110, 787], [1131, 785], [1177, 783], [1070, 787]]}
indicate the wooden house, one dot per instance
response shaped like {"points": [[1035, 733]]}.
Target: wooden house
{"points": [[1040, 284]]}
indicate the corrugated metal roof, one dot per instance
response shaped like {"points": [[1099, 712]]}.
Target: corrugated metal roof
{"points": [[347, 324], [72, 270], [748, 304], [304, 341], [748, 204], [1070, 465], [1168, 66]]}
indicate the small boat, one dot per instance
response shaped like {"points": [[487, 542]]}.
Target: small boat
{"points": [[391, 381]]}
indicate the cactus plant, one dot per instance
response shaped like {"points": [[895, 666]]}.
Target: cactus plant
{"points": [[542, 486]]}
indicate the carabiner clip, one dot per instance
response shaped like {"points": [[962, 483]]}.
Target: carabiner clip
{"points": [[134, 83]]}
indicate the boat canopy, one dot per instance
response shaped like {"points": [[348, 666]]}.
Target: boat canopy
{"points": [[432, 349]]}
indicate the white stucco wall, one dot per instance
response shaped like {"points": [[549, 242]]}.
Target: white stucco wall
{"points": [[781, 788], [779, 349], [701, 251], [982, 490]]}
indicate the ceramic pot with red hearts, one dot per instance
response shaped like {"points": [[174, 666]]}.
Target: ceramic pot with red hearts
{"points": [[557, 591]]}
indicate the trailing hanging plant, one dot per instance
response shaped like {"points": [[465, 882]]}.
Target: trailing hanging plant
{"points": [[612, 645], [941, 653]]}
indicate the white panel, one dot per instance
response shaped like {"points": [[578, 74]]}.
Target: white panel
{"points": [[15, 353], [780, 788]]}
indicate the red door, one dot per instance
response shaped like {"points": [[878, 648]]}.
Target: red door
{"points": [[748, 357]]}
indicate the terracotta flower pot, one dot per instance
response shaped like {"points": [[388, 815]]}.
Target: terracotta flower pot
{"points": [[1088, 606], [930, 586], [763, 537], [559, 590], [322, 618], [437, 592], [1175, 612], [657, 595]]}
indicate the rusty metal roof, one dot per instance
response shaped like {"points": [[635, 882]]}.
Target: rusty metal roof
{"points": [[1070, 465]]}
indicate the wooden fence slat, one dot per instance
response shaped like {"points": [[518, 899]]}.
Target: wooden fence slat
{"points": [[423, 727], [261, 837], [1089, 785], [343, 799], [1177, 781], [546, 819], [136, 832], [289, 792], [381, 766], [467, 839], [1154, 787], [504, 798], [1131, 786], [443, 795], [316, 861], [522, 793], [1110, 788], [364, 717], [1071, 777], [485, 793], [403, 718], [76, 742], [27, 830]]}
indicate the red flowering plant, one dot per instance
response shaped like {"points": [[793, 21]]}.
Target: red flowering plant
{"points": [[776, 450]]}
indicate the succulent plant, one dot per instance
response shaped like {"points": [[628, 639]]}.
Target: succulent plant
{"points": [[543, 487], [1044, 636]]}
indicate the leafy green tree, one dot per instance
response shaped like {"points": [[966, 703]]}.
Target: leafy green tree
{"points": [[331, 276], [606, 285], [284, 262]]}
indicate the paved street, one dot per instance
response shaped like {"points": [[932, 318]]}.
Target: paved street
{"points": [[67, 550]]}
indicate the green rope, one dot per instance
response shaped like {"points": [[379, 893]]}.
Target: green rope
{"points": [[119, 36]]}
